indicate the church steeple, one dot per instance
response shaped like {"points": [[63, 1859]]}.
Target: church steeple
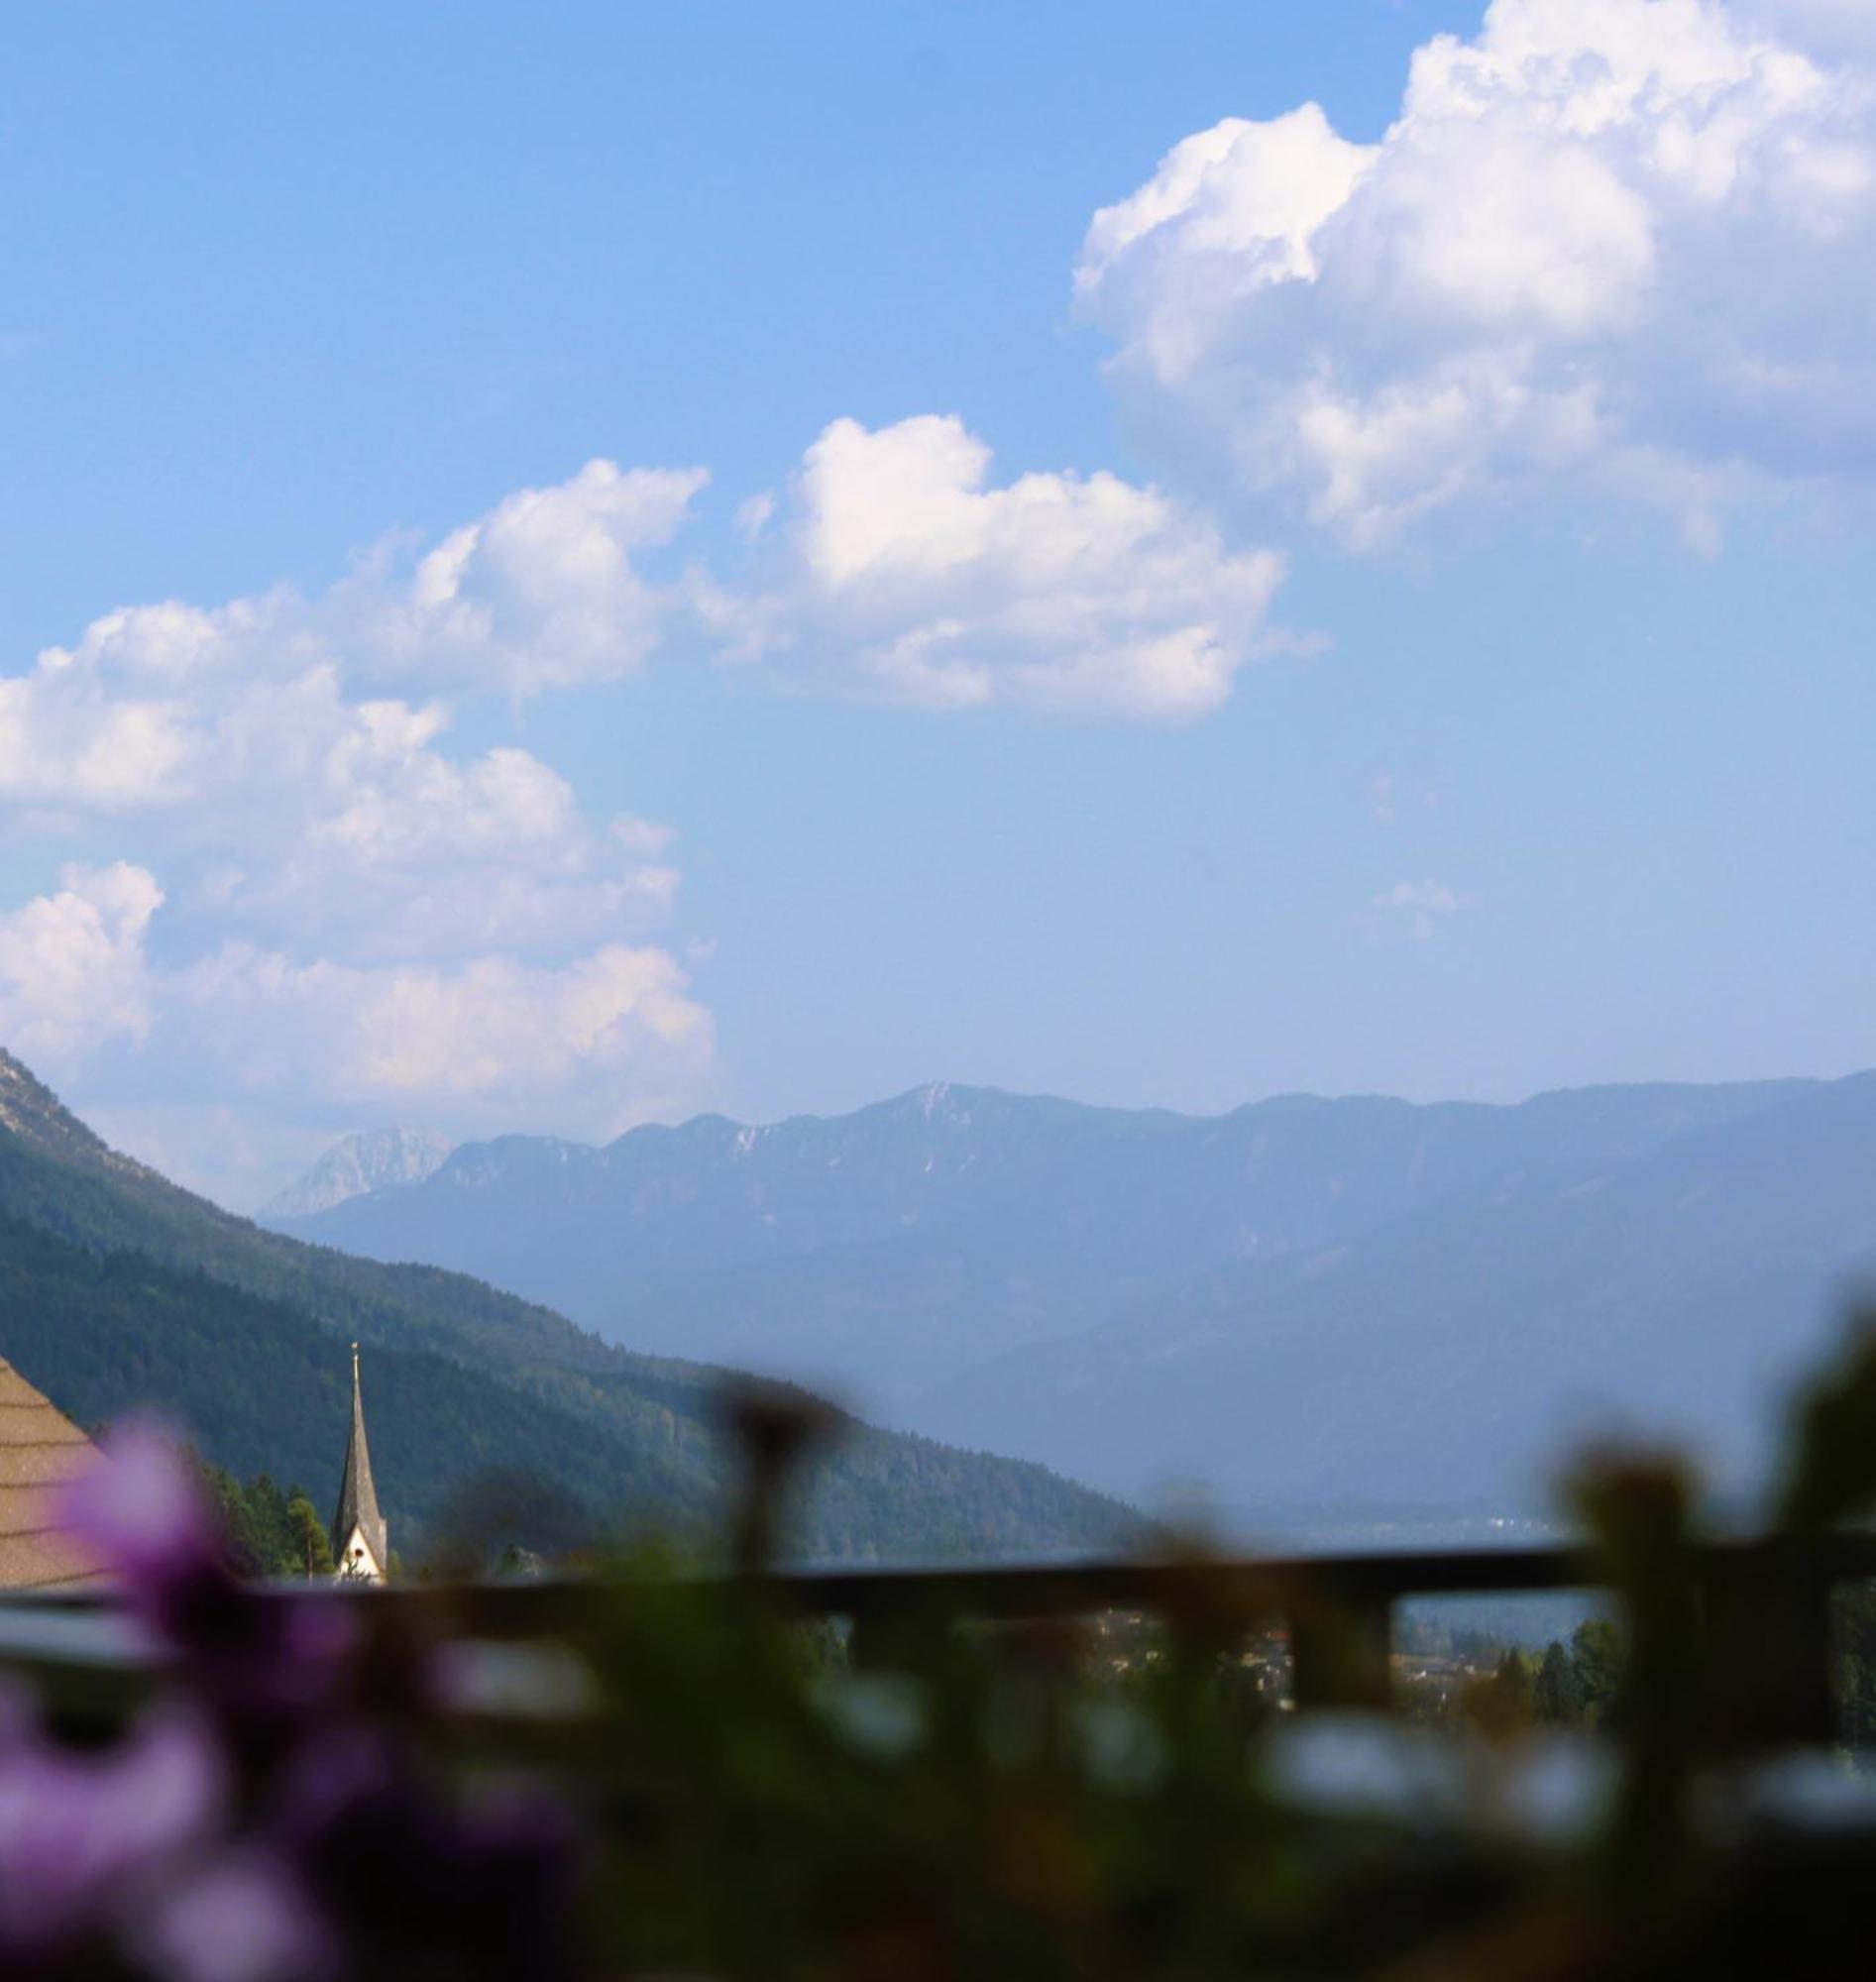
{"points": [[360, 1544]]}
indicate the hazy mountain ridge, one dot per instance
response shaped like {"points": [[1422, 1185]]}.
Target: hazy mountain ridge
{"points": [[1305, 1302], [1459, 1355], [378, 1159], [898, 1247], [116, 1287]]}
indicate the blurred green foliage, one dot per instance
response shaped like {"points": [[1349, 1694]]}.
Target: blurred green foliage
{"points": [[1113, 1799], [913, 1796]]}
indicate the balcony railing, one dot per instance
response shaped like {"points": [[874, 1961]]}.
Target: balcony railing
{"points": [[1335, 1610]]}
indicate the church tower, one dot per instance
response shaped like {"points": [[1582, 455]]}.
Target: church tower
{"points": [[360, 1546]]}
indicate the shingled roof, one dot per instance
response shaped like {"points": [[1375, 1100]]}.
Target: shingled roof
{"points": [[39, 1448], [358, 1498]]}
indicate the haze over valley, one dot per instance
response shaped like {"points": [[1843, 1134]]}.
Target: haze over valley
{"points": [[1318, 1311]]}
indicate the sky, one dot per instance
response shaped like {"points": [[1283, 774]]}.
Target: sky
{"points": [[562, 567]]}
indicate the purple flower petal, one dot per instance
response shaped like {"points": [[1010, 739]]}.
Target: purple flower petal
{"points": [[243, 1918], [141, 1511], [79, 1833]]}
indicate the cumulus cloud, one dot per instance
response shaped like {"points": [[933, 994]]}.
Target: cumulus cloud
{"points": [[901, 572], [207, 1057], [360, 829], [288, 805], [333, 908], [73, 964], [495, 1033], [545, 590], [542, 591], [1609, 250]]}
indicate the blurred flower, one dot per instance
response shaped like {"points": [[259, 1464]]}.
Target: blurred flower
{"points": [[287, 1828], [141, 1511], [143, 1514], [83, 1837], [243, 1918]]}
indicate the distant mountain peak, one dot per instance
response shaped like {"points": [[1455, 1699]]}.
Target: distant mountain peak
{"points": [[360, 1165], [943, 1101]]}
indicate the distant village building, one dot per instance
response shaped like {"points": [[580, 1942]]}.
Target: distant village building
{"points": [[41, 1449], [360, 1549]]}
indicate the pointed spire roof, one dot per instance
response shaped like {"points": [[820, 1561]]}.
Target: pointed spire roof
{"points": [[358, 1498]]}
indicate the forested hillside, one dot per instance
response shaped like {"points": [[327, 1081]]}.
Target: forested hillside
{"points": [[119, 1291]]}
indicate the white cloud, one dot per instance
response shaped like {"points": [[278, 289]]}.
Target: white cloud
{"points": [[289, 807], [1611, 250], [71, 965], [361, 830], [494, 1036], [1419, 906], [542, 591], [903, 573], [64, 740], [333, 907], [206, 1047]]}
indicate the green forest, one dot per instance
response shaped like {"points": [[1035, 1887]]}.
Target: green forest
{"points": [[120, 1292]]}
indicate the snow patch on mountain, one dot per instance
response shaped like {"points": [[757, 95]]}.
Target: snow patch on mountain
{"points": [[360, 1165]]}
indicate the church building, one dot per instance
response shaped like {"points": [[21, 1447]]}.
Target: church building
{"points": [[360, 1549]]}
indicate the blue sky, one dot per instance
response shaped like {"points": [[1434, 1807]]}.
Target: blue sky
{"points": [[1431, 655]]}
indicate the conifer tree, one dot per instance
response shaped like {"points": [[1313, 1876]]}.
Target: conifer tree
{"points": [[314, 1552], [1556, 1697]]}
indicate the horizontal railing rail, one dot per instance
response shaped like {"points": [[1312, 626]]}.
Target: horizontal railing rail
{"points": [[1336, 1610]]}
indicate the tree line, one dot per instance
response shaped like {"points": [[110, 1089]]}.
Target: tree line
{"points": [[270, 1531]]}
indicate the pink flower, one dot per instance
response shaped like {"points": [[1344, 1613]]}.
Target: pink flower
{"points": [[242, 1918], [84, 1836], [140, 1510], [252, 1658]]}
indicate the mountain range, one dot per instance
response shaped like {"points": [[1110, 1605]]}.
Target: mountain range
{"points": [[360, 1164], [1305, 1304], [120, 1292]]}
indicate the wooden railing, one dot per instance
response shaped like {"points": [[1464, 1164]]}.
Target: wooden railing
{"points": [[1338, 1611]]}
